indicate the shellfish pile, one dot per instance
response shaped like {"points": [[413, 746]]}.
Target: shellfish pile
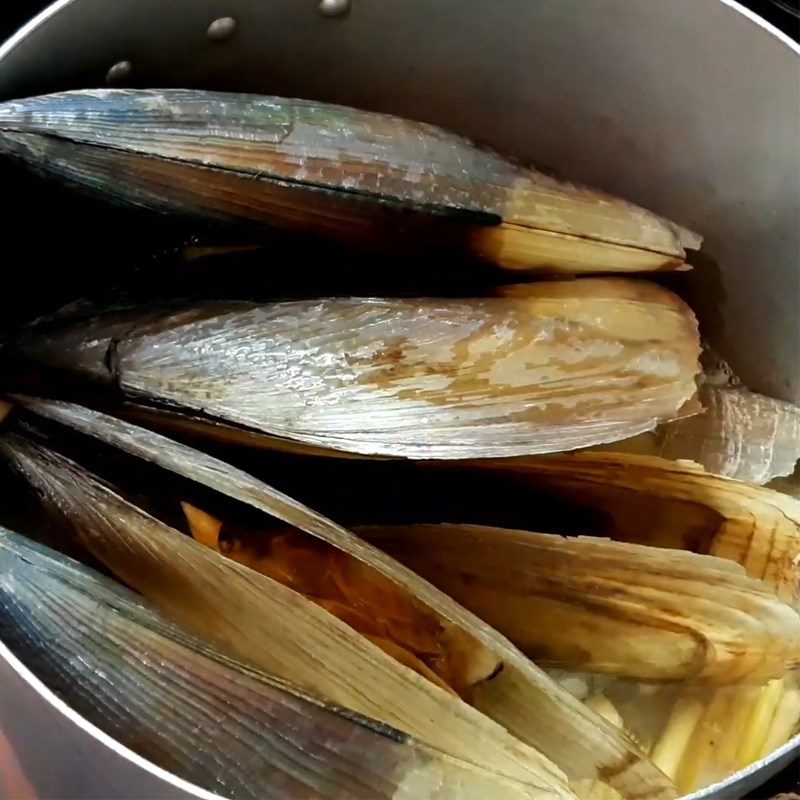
{"points": [[556, 570]]}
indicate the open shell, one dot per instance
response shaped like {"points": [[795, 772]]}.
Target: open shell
{"points": [[329, 169], [709, 734], [188, 708], [521, 698], [654, 501], [601, 606], [556, 366]]}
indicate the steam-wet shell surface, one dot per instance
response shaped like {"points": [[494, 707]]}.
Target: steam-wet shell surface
{"points": [[186, 707], [741, 434], [271, 627], [655, 501], [521, 698], [558, 367], [223, 196], [310, 144], [601, 606]]}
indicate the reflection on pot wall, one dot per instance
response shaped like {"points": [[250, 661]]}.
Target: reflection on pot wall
{"points": [[45, 755]]}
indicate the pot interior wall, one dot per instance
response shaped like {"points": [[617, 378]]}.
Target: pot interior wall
{"points": [[692, 110]]}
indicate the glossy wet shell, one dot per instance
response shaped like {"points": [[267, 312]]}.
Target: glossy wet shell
{"points": [[522, 699], [183, 705], [555, 367], [741, 434], [307, 144], [601, 606], [654, 501]]}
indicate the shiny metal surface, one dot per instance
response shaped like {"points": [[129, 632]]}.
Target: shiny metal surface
{"points": [[691, 109]]}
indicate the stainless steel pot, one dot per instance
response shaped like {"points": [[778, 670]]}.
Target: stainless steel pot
{"points": [[691, 109]]}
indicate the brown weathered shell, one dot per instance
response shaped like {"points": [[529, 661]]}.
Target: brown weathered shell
{"points": [[549, 367], [329, 169]]}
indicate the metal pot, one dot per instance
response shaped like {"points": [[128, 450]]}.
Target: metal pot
{"points": [[692, 110]]}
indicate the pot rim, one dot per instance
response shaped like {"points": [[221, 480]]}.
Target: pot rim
{"points": [[715, 790], [791, 747], [745, 12], [62, 707]]}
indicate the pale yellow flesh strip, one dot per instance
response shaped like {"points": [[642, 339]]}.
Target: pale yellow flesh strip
{"points": [[730, 734], [694, 768], [726, 756], [597, 790], [784, 724], [709, 735], [757, 729], [601, 705], [670, 748]]}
